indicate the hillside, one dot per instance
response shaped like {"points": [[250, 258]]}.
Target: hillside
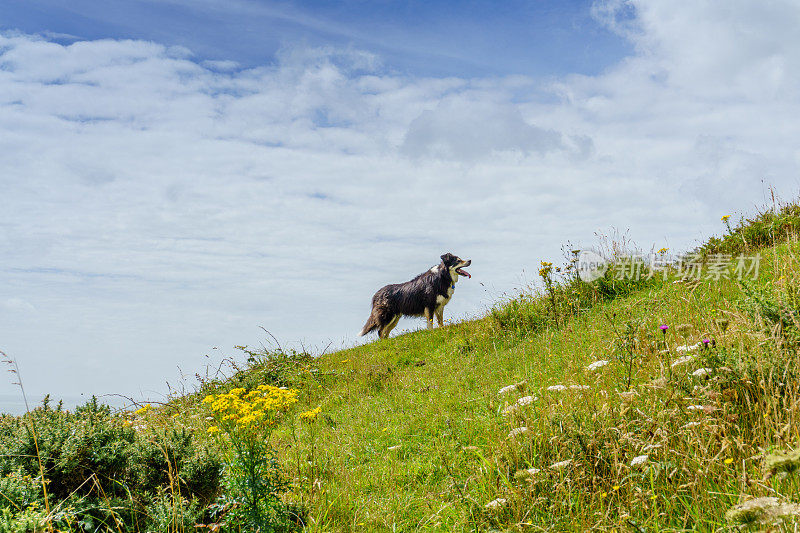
{"points": [[651, 404]]}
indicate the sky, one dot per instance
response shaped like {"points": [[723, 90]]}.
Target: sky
{"points": [[176, 175]]}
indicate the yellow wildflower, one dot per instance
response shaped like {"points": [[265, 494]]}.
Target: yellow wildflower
{"points": [[728, 461], [143, 410], [212, 430], [309, 416], [725, 218]]}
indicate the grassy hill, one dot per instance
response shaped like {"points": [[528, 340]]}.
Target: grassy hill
{"points": [[651, 404]]}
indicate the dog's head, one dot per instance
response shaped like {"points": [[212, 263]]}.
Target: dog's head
{"points": [[455, 265]]}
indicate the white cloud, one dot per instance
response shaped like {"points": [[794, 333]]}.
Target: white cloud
{"points": [[154, 206]]}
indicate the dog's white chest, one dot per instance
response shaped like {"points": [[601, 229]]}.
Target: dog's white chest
{"points": [[441, 300]]}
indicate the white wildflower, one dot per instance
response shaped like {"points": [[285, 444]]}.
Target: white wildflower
{"points": [[556, 388], [695, 408], [392, 448], [639, 460], [762, 511], [526, 400], [496, 505], [507, 389], [597, 365], [628, 395], [522, 402], [688, 347], [700, 372], [579, 387], [690, 425], [561, 464], [517, 431], [512, 388], [683, 360], [526, 474]]}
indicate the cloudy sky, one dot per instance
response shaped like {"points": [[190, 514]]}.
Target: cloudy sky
{"points": [[176, 173]]}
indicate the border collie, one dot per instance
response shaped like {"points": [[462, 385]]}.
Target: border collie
{"points": [[426, 295]]}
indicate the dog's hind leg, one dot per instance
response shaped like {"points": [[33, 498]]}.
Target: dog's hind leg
{"points": [[440, 316], [429, 317], [383, 333]]}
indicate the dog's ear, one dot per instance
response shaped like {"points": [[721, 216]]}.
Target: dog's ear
{"points": [[448, 258]]}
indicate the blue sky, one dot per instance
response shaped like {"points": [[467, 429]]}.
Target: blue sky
{"points": [[476, 38], [174, 175]]}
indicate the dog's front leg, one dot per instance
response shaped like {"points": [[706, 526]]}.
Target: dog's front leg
{"points": [[429, 317], [440, 316]]}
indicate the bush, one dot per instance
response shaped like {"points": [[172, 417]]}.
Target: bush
{"points": [[98, 466]]}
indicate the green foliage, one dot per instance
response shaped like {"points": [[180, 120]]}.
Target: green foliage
{"points": [[98, 468], [775, 308], [565, 297], [766, 228]]}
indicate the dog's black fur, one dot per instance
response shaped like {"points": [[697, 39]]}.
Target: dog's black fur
{"points": [[426, 295]]}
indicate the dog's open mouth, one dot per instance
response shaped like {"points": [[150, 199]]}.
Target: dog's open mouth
{"points": [[461, 272]]}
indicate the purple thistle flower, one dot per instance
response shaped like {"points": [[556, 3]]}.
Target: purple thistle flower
{"points": [[663, 328]]}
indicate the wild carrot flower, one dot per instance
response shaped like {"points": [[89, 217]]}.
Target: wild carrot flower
{"points": [[639, 460], [496, 505], [561, 464], [782, 462], [517, 432], [761, 511], [628, 395], [512, 388], [683, 360], [701, 372], [526, 400], [527, 473], [522, 402], [597, 365], [556, 388]]}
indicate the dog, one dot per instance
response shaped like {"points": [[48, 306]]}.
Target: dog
{"points": [[426, 295]]}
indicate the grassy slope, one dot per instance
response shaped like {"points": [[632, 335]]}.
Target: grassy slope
{"points": [[411, 435]]}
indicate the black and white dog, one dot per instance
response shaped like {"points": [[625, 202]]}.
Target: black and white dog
{"points": [[426, 295]]}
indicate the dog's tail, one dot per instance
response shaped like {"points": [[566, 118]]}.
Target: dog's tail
{"points": [[371, 325]]}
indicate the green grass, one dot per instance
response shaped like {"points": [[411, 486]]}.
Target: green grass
{"points": [[414, 435]]}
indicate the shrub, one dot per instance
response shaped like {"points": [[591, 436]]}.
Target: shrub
{"points": [[98, 466]]}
